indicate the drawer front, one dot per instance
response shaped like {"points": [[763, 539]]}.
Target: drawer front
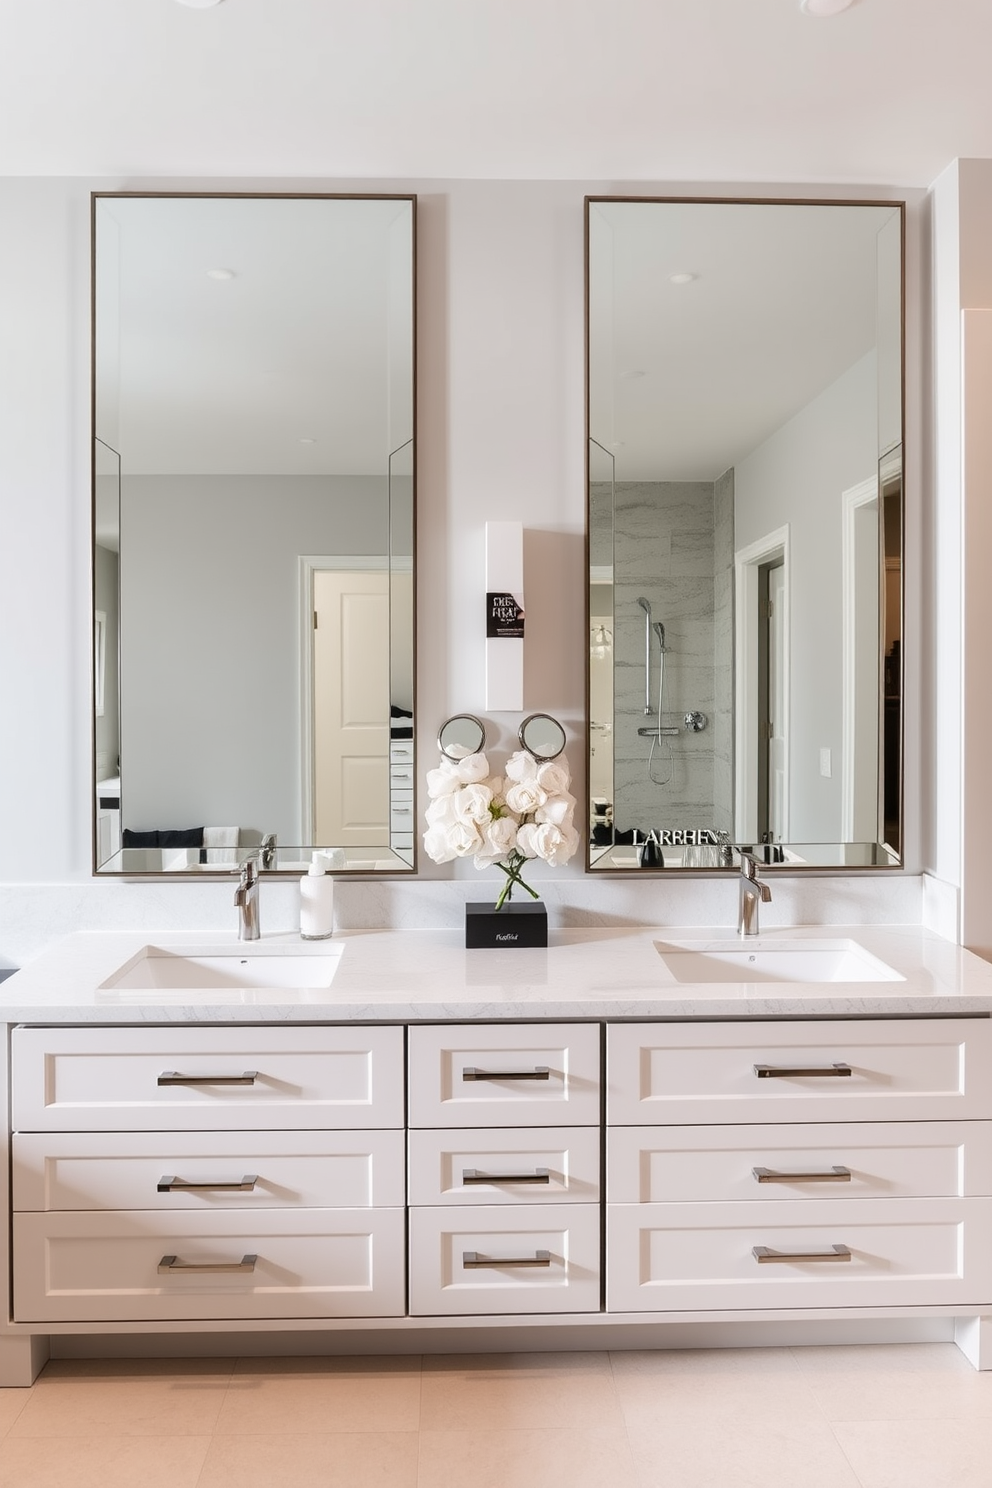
{"points": [[875, 1070], [903, 1253], [912, 1159], [208, 1171], [307, 1263], [537, 1074], [173, 1079], [505, 1166], [538, 1259]]}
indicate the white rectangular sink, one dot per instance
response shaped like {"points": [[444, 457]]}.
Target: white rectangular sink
{"points": [[158, 967], [837, 960]]}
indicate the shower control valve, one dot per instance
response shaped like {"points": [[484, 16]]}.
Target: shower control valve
{"points": [[695, 722]]}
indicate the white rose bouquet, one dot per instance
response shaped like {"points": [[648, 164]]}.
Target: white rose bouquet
{"points": [[502, 822]]}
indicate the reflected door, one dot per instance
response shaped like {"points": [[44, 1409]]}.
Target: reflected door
{"points": [[351, 707]]}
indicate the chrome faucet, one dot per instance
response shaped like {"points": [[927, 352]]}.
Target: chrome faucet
{"points": [[246, 899], [752, 893]]}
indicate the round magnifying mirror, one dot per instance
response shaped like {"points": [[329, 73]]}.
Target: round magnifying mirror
{"points": [[542, 735], [464, 734]]}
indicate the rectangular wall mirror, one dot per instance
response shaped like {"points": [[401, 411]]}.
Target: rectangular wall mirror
{"points": [[253, 531], [745, 408]]}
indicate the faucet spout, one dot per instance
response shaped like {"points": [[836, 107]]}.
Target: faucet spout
{"points": [[753, 893], [246, 900]]}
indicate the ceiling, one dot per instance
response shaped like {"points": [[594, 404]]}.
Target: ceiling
{"points": [[889, 91]]}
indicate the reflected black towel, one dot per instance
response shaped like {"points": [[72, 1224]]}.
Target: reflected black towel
{"points": [[167, 837]]}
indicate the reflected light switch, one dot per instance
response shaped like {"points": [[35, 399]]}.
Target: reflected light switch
{"points": [[825, 765]]}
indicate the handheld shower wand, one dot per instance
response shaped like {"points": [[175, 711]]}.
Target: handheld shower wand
{"points": [[647, 654]]}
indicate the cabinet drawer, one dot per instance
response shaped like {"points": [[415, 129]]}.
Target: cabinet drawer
{"points": [[101, 1267], [173, 1079], [542, 1258], [104, 1170], [912, 1159], [903, 1253], [537, 1074], [505, 1166], [871, 1070]]}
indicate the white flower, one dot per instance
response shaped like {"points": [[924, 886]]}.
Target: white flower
{"points": [[442, 782], [526, 796], [437, 845], [544, 840], [559, 810], [441, 813], [499, 840], [554, 778], [472, 769], [472, 804]]}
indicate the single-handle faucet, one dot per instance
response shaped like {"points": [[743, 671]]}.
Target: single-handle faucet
{"points": [[752, 893], [246, 899]]}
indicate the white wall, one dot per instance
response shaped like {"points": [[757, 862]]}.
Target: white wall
{"points": [[797, 477], [501, 434]]}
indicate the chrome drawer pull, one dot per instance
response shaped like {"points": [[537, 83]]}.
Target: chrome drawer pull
{"points": [[173, 1263], [540, 1073], [168, 1183], [473, 1175], [763, 1255], [472, 1258], [173, 1077], [830, 1175], [788, 1072]]}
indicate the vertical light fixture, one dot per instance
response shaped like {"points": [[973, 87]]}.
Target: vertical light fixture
{"points": [[504, 617]]}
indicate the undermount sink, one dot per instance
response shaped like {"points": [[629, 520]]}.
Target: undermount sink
{"points": [[838, 960], [156, 966]]}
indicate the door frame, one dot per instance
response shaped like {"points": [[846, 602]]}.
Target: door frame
{"points": [[747, 561], [852, 501]]}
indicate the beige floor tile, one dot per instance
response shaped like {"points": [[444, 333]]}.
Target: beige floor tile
{"points": [[102, 1462], [525, 1459], [734, 1453], [704, 1361], [494, 1392], [124, 1398], [886, 1358], [342, 1460], [314, 1396], [918, 1454], [695, 1400], [12, 1402], [904, 1395]]}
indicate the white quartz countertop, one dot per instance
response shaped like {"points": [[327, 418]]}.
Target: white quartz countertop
{"points": [[428, 975]]}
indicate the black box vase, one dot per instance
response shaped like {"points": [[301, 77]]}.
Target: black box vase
{"points": [[514, 925]]}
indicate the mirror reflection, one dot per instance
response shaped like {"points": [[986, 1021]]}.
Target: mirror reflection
{"points": [[253, 531], [745, 522]]}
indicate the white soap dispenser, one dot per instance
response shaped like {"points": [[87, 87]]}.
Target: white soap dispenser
{"points": [[317, 900]]}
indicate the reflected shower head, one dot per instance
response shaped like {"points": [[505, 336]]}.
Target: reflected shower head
{"points": [[644, 606], [659, 631]]}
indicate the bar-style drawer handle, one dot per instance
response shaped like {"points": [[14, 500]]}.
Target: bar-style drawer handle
{"points": [[173, 1077], [542, 1072], [173, 1263], [828, 1175], [169, 1184], [764, 1256], [472, 1258], [791, 1072], [473, 1175]]}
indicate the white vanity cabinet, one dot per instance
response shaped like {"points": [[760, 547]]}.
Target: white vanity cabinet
{"points": [[504, 1169], [163, 1174], [799, 1164]]}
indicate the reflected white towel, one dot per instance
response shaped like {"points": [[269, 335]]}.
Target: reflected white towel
{"points": [[221, 844]]}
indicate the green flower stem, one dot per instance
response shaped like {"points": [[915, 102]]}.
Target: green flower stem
{"points": [[512, 869]]}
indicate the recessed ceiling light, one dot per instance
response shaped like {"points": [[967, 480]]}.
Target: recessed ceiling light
{"points": [[220, 274], [682, 278], [632, 374], [308, 441], [825, 7], [199, 4]]}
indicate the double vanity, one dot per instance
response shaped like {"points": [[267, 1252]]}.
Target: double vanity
{"points": [[632, 1131]]}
